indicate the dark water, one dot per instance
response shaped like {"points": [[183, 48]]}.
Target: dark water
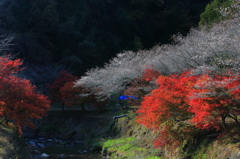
{"points": [[70, 153]]}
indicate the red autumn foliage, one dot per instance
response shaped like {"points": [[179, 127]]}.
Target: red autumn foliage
{"points": [[19, 100], [141, 86], [70, 95], [203, 100], [166, 102], [9, 67], [165, 106], [214, 99], [54, 88], [149, 75]]}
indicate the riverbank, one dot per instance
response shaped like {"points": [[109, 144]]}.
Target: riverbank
{"points": [[131, 140], [11, 145], [97, 135], [74, 130], [72, 133]]}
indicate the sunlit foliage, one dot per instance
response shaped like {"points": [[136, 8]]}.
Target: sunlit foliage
{"points": [[19, 100]]}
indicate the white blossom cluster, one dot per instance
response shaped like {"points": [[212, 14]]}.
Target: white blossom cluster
{"points": [[216, 49], [5, 40], [115, 75], [5, 43]]}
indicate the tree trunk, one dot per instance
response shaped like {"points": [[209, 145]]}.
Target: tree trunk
{"points": [[236, 120], [224, 121], [234, 117], [63, 106], [83, 108]]}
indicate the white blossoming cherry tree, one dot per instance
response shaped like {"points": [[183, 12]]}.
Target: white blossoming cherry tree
{"points": [[206, 50]]}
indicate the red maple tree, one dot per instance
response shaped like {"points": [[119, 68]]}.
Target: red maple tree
{"points": [[214, 99], [139, 87], [9, 67], [71, 96], [165, 106], [55, 94], [205, 100], [19, 100], [168, 101]]}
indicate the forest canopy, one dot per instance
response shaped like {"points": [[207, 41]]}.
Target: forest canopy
{"points": [[82, 34]]}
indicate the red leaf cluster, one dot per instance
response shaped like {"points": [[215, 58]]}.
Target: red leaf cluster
{"points": [[64, 90], [204, 100], [139, 87], [19, 100], [167, 101], [214, 99], [71, 96], [54, 88]]}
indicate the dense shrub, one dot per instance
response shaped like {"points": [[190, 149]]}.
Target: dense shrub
{"points": [[212, 13]]}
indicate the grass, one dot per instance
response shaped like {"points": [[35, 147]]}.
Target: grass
{"points": [[124, 147], [200, 151], [128, 139]]}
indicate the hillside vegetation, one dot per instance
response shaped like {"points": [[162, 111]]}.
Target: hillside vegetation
{"points": [[182, 99], [12, 146], [188, 93]]}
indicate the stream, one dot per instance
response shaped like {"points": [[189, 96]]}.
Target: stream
{"points": [[70, 153], [62, 136], [55, 149]]}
